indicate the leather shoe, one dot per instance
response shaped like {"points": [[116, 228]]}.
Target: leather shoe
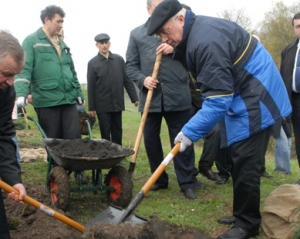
{"points": [[209, 174], [198, 184], [157, 187], [266, 175], [238, 233], [222, 180], [227, 220], [189, 193]]}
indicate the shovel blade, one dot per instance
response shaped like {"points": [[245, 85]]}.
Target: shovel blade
{"points": [[113, 215]]}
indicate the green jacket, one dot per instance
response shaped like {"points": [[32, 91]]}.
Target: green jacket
{"points": [[53, 80]]}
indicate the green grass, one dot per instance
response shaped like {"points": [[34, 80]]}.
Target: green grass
{"points": [[168, 205]]}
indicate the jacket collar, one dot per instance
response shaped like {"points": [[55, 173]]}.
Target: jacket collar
{"points": [[101, 57]]}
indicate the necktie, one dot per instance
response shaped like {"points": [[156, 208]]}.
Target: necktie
{"points": [[297, 73]]}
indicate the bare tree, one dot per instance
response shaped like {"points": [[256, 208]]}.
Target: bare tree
{"points": [[238, 16], [276, 29]]}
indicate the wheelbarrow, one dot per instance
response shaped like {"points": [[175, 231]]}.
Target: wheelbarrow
{"points": [[117, 183]]}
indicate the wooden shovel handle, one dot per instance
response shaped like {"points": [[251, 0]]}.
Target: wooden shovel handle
{"points": [[43, 208], [146, 110]]}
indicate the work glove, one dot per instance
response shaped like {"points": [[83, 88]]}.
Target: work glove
{"points": [[80, 101], [21, 102], [184, 140]]}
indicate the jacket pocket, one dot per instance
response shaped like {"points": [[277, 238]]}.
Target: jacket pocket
{"points": [[48, 84], [46, 53]]}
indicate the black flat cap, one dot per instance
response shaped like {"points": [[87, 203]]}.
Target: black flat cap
{"points": [[102, 37], [162, 13]]}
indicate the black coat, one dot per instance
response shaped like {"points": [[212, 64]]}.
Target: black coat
{"points": [[106, 80], [286, 70], [9, 169]]}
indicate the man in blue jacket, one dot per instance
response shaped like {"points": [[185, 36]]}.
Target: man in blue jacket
{"points": [[242, 89]]}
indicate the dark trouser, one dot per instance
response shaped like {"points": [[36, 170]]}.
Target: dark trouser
{"points": [[223, 162], [211, 146], [246, 158], [4, 232], [111, 126], [183, 162], [296, 122], [60, 122]]}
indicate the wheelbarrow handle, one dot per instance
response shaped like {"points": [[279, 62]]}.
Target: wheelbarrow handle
{"points": [[43, 208]]}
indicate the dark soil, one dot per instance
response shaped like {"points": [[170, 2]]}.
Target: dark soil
{"points": [[26, 222], [88, 148]]}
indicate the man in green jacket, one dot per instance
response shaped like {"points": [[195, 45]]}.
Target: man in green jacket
{"points": [[49, 71]]}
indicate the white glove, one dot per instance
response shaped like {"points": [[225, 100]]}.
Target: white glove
{"points": [[80, 101], [21, 102], [184, 140]]}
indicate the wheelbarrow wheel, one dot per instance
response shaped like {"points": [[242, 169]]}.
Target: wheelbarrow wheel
{"points": [[120, 178], [59, 187]]}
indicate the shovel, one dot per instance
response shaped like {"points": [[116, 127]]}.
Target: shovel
{"points": [[144, 116], [114, 215], [43, 208]]}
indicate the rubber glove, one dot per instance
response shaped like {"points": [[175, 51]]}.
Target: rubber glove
{"points": [[184, 140], [21, 101]]}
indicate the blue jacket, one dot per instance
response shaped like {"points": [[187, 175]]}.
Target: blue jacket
{"points": [[239, 81]]}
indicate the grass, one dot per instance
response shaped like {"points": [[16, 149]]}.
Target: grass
{"points": [[168, 205]]}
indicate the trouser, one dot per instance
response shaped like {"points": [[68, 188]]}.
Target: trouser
{"points": [[246, 167], [111, 126], [183, 162], [222, 161], [4, 232], [60, 122], [296, 122], [211, 146]]}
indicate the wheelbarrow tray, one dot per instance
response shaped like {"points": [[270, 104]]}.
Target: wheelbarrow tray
{"points": [[80, 163]]}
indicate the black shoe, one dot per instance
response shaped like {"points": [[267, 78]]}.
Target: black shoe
{"points": [[209, 174], [227, 220], [198, 184], [238, 233], [298, 182], [189, 193], [222, 180], [266, 175], [157, 187]]}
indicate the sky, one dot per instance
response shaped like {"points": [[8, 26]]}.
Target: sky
{"points": [[85, 19]]}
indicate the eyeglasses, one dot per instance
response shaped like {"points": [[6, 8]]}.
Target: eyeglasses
{"points": [[167, 32]]}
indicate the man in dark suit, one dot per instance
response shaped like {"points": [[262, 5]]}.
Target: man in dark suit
{"points": [[106, 79], [290, 73]]}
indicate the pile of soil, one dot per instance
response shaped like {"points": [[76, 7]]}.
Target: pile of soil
{"points": [[102, 149], [26, 222]]}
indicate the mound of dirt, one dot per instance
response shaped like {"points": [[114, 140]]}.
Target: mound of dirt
{"points": [[26, 222], [154, 229]]}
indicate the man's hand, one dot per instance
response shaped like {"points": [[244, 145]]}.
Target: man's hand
{"points": [[22, 192], [21, 101], [136, 103], [184, 140], [165, 49], [150, 83], [93, 112]]}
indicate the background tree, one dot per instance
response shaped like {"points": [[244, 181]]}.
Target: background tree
{"points": [[276, 30], [238, 16]]}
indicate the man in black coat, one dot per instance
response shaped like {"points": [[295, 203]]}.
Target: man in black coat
{"points": [[11, 63], [288, 69], [106, 79]]}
